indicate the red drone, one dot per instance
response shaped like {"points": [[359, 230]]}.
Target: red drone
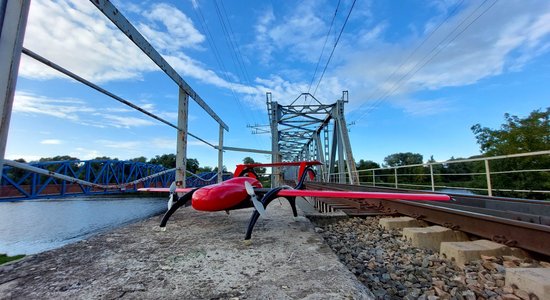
{"points": [[246, 191]]}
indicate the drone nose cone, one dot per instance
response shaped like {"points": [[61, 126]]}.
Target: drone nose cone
{"points": [[223, 195]]}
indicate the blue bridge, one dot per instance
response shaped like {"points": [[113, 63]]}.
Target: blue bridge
{"points": [[104, 176]]}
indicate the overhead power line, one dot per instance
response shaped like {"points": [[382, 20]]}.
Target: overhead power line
{"points": [[334, 47], [218, 57], [431, 55], [324, 45]]}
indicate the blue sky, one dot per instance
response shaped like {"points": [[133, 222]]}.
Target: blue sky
{"points": [[419, 73]]}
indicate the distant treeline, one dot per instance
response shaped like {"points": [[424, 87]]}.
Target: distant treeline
{"points": [[516, 135]]}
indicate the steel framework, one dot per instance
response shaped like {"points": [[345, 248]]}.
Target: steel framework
{"points": [[301, 132], [19, 184]]}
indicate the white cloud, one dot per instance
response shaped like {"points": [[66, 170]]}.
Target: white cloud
{"points": [[169, 28], [51, 142], [86, 153], [77, 111], [423, 108], [299, 34], [75, 35], [69, 109], [125, 121], [510, 35]]}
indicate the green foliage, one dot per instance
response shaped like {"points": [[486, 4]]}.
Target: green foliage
{"points": [[166, 160], [249, 160], [141, 159], [403, 159], [4, 258], [516, 135], [192, 165], [205, 169], [365, 165], [58, 158]]}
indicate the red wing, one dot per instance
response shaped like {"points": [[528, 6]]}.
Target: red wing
{"points": [[364, 195], [166, 190]]}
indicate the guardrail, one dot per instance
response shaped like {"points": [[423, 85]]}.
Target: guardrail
{"points": [[525, 175]]}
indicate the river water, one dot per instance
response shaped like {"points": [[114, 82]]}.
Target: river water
{"points": [[29, 227]]}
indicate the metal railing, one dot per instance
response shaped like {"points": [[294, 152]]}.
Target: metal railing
{"points": [[519, 174], [12, 31]]}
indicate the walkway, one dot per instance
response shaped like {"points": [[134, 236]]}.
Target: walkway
{"points": [[200, 256]]}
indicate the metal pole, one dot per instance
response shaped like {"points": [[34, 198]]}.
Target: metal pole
{"points": [[181, 145], [395, 175], [432, 177], [488, 176], [373, 178], [220, 156], [14, 20]]}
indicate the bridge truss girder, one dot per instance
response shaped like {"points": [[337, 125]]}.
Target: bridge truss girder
{"points": [[301, 132]]}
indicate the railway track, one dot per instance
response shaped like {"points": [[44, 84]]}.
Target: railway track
{"points": [[513, 222]]}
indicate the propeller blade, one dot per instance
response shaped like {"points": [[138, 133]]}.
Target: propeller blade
{"points": [[170, 201], [257, 204], [172, 192], [173, 187]]}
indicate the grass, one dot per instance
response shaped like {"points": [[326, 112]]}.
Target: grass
{"points": [[4, 258]]}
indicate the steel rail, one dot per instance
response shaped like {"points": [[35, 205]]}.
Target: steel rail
{"points": [[528, 236]]}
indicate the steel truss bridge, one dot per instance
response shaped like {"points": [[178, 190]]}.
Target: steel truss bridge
{"points": [[88, 177], [308, 129]]}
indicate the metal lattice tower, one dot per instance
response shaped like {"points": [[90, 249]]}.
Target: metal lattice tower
{"points": [[301, 132]]}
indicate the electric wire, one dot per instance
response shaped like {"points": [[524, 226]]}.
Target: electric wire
{"points": [[237, 58], [419, 65], [217, 55], [324, 45], [334, 47], [411, 54]]}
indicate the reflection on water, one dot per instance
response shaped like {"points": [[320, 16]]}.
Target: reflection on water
{"points": [[29, 227]]}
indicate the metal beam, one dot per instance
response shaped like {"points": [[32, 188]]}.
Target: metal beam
{"points": [[111, 12], [220, 156], [237, 149], [14, 15]]}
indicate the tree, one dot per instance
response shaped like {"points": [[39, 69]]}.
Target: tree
{"points": [[518, 135], [403, 159], [249, 160], [166, 160], [141, 159], [192, 165], [204, 169], [365, 165]]}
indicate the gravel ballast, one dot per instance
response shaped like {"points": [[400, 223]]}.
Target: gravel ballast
{"points": [[392, 269]]}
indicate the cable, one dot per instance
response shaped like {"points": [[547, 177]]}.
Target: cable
{"points": [[412, 53], [334, 48], [324, 45], [219, 60], [412, 73]]}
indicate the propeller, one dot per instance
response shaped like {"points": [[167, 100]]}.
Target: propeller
{"points": [[172, 193], [257, 204]]}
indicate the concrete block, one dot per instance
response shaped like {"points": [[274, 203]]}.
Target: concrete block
{"points": [[464, 252], [532, 280], [431, 237], [400, 222]]}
